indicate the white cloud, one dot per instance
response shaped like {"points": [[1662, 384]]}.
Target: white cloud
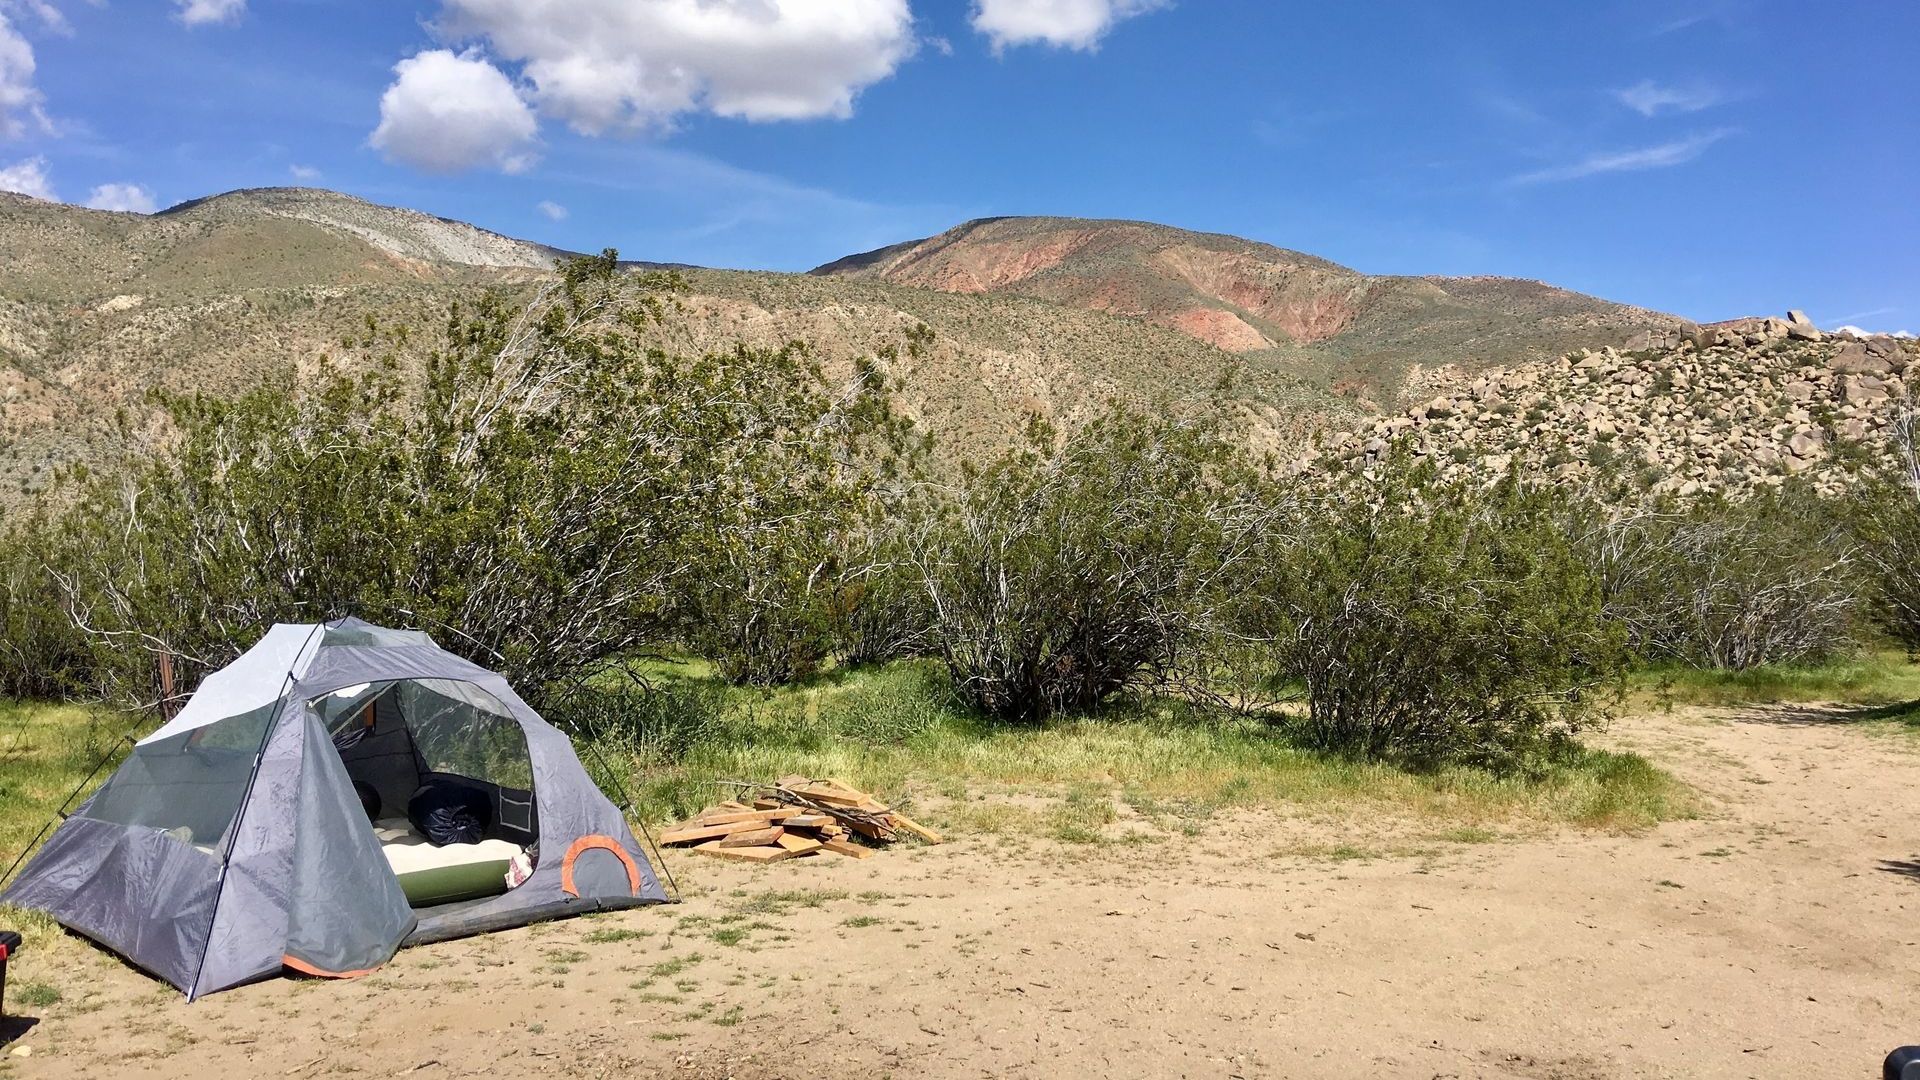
{"points": [[447, 113], [608, 65], [304, 172], [1855, 331], [126, 198], [200, 12], [20, 100], [553, 211], [1067, 24], [1649, 98], [28, 177], [1663, 156]]}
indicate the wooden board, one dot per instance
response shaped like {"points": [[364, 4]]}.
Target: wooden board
{"points": [[728, 817], [808, 821], [848, 848], [755, 838], [693, 832], [907, 824], [745, 854], [799, 845], [835, 797], [870, 831]]}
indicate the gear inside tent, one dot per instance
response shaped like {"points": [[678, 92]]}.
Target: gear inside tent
{"points": [[339, 791]]}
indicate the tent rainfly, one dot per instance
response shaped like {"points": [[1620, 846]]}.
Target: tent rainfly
{"points": [[339, 791]]}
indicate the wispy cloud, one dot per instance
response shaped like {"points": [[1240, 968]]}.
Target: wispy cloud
{"points": [[1663, 156], [1724, 12], [1862, 316], [1649, 98]]}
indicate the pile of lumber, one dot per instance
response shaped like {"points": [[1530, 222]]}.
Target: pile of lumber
{"points": [[795, 817]]}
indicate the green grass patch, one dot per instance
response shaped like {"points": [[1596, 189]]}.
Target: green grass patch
{"points": [[1184, 763], [614, 935], [1882, 679], [37, 995]]}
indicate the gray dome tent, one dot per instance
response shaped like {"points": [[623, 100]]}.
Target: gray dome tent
{"points": [[236, 840]]}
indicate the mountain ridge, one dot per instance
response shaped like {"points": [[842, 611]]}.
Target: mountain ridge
{"points": [[222, 293]]}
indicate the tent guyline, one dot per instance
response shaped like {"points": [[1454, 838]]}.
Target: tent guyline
{"points": [[339, 791]]}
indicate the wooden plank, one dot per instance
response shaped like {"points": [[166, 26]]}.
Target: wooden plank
{"points": [[808, 821], [745, 854], [799, 845], [906, 823], [731, 816], [753, 838], [870, 831], [767, 804], [834, 796], [694, 833], [848, 848]]}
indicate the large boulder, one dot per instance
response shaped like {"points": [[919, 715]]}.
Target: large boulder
{"points": [[1863, 390], [1857, 359]]}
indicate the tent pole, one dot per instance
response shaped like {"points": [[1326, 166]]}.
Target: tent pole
{"points": [[240, 816], [60, 814]]}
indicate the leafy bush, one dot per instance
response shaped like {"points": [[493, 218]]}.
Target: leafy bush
{"points": [[1435, 623], [810, 537], [42, 653], [1730, 585], [1886, 520], [541, 491], [1065, 574]]}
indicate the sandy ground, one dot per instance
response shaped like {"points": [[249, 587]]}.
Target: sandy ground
{"points": [[1776, 936]]}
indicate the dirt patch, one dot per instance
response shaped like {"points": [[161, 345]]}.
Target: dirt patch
{"points": [[1772, 936]]}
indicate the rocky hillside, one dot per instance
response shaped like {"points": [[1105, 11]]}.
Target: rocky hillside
{"points": [[1317, 319], [98, 308], [1733, 407]]}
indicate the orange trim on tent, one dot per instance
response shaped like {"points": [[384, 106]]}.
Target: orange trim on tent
{"points": [[305, 968], [603, 843]]}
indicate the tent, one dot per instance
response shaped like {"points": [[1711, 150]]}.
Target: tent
{"points": [[275, 822]]}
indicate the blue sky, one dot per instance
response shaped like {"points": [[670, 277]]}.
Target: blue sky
{"points": [[1713, 158]]}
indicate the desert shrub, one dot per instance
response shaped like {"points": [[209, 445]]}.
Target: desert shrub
{"points": [[788, 564], [1082, 566], [1730, 584], [1886, 523], [42, 653], [540, 490], [1436, 623]]}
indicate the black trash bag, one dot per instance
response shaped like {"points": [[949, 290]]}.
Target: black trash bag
{"points": [[450, 814], [369, 799]]}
